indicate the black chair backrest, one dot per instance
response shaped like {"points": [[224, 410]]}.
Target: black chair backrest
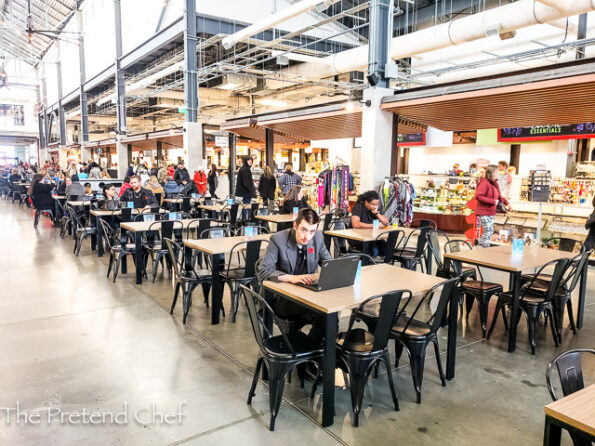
{"points": [[423, 223], [389, 303], [559, 266], [167, 229], [251, 251], [233, 213], [574, 271], [458, 245], [570, 371], [422, 239], [175, 256], [366, 259], [197, 226], [74, 217], [215, 232], [158, 197], [434, 248], [185, 204], [108, 234], [340, 213], [436, 318], [126, 214], [563, 244], [259, 311], [393, 239]]}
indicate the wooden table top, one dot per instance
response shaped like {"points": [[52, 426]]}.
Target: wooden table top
{"points": [[375, 280], [179, 200], [576, 409], [220, 245], [500, 257], [276, 218], [142, 226], [364, 235], [79, 202], [107, 213]]}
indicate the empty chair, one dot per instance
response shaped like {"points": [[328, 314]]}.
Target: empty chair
{"points": [[280, 353], [409, 256], [81, 231], [117, 248], [389, 240], [156, 248], [185, 277], [563, 244], [459, 245], [63, 218], [422, 223], [359, 350], [235, 276], [536, 297], [570, 372], [415, 332]]}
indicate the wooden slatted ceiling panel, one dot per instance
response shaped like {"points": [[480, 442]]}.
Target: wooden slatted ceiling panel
{"points": [[559, 101], [259, 134], [345, 125], [169, 142]]}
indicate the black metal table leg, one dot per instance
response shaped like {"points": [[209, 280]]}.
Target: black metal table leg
{"points": [[99, 236], [328, 369], [217, 290], [451, 350], [514, 311], [582, 294], [138, 254], [552, 434]]}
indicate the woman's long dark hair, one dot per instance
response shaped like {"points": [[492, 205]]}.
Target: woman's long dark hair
{"points": [[368, 196], [213, 169], [36, 179]]}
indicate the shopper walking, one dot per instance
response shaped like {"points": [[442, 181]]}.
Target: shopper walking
{"points": [[288, 179], [267, 186], [213, 181], [181, 173], [504, 179], [488, 197]]}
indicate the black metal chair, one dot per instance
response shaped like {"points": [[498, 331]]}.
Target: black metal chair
{"points": [[156, 247], [423, 223], [473, 290], [536, 298], [339, 244], [390, 241], [235, 276], [117, 248], [257, 228], [415, 334], [570, 372], [185, 277], [280, 353], [80, 231], [39, 212], [359, 350], [409, 257], [63, 219]]}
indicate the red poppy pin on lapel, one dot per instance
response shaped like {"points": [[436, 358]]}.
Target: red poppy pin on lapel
{"points": [[310, 250]]}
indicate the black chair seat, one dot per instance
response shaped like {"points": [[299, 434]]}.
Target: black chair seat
{"points": [[200, 275], [360, 341], [479, 285], [415, 328], [526, 300], [405, 254], [302, 344]]}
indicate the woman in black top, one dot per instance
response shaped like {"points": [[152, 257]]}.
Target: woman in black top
{"points": [[267, 186], [213, 181], [365, 211], [41, 194], [294, 199], [590, 226]]}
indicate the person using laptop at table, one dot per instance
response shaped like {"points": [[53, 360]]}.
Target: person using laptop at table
{"points": [[141, 197], [293, 255]]}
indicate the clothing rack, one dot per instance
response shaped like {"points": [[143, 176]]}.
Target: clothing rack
{"points": [[396, 199]]}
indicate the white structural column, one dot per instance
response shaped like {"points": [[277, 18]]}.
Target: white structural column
{"points": [[377, 127], [122, 151], [193, 147]]}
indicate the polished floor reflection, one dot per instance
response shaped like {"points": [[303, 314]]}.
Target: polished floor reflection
{"points": [[74, 343]]}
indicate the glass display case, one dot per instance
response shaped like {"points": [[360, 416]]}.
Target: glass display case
{"points": [[443, 194]]}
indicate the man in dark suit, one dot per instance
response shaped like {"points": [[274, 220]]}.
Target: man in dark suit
{"points": [[293, 255]]}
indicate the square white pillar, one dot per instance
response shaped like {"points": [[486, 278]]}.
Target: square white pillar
{"points": [[63, 157], [122, 152], [377, 128], [193, 147]]}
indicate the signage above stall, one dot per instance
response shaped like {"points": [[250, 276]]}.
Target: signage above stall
{"points": [[413, 139], [547, 132]]}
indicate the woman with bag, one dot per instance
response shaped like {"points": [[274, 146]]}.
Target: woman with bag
{"points": [[489, 201]]}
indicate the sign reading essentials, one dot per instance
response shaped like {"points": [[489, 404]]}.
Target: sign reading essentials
{"points": [[547, 132], [413, 139]]}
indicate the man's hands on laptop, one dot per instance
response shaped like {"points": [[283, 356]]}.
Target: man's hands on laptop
{"points": [[305, 279]]}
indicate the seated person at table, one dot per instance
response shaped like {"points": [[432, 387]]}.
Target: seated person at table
{"points": [[188, 187], [294, 199], [15, 176], [292, 256], [365, 211], [75, 190], [88, 190], [63, 185], [170, 187], [141, 197], [112, 200]]}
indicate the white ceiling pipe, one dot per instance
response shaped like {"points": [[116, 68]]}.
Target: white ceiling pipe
{"points": [[274, 19], [506, 18], [298, 57]]}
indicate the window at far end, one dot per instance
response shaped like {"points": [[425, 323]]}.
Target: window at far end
{"points": [[11, 115]]}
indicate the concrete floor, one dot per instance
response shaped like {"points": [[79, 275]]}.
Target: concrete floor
{"points": [[71, 339]]}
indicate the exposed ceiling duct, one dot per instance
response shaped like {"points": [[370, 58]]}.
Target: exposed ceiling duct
{"points": [[274, 19], [506, 18]]}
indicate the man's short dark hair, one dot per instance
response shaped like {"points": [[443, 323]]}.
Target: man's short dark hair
{"points": [[135, 177], [309, 215]]}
